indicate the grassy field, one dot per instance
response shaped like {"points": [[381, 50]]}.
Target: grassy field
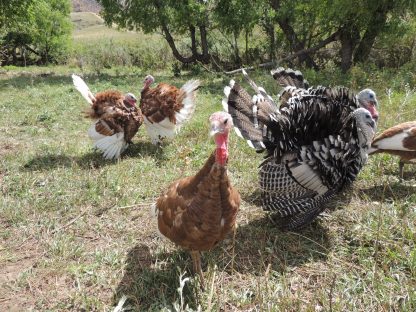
{"points": [[76, 234], [97, 47]]}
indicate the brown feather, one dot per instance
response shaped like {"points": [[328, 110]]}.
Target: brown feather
{"points": [[160, 102], [107, 104], [395, 130], [104, 128], [115, 114], [408, 142], [197, 212]]}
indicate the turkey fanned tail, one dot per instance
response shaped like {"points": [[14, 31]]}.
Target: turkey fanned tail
{"points": [[188, 102], [249, 114], [82, 88], [288, 77]]}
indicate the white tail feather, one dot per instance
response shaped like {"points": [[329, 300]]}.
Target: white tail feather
{"points": [[225, 105], [93, 134], [153, 210], [188, 102], [111, 146], [82, 87], [160, 130], [154, 213]]}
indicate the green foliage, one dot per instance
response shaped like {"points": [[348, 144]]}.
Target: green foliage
{"points": [[113, 52], [41, 27], [150, 15], [51, 29]]}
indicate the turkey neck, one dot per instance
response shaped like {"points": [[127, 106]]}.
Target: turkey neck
{"points": [[145, 87], [221, 152]]}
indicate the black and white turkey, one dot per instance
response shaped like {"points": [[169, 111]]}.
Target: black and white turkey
{"points": [[294, 84], [315, 146]]}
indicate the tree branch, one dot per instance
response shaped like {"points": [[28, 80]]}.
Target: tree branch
{"points": [[331, 38], [31, 50], [171, 42]]}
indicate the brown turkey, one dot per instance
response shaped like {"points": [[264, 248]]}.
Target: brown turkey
{"points": [[198, 212], [117, 118], [166, 108], [398, 140]]}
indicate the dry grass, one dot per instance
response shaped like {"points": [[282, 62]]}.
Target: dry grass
{"points": [[76, 234]]}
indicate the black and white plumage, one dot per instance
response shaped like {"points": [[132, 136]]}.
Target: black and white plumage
{"points": [[295, 85], [315, 146]]}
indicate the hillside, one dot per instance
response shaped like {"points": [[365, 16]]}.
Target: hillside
{"points": [[85, 6], [89, 26]]}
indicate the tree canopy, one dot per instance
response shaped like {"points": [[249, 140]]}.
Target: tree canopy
{"points": [[295, 30], [34, 30]]}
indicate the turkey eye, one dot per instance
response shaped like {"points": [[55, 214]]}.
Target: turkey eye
{"points": [[225, 121]]}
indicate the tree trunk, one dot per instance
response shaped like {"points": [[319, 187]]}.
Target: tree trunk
{"points": [[205, 57], [246, 46], [374, 27], [172, 45], [290, 34], [349, 39], [269, 27], [237, 58]]}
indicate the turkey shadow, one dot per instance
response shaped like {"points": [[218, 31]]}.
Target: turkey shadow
{"points": [[396, 191], [409, 172], [151, 282], [143, 149], [24, 79], [254, 198], [260, 244], [90, 160], [341, 200]]}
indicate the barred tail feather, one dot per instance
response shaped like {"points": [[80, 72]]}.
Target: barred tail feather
{"points": [[296, 213], [238, 103], [111, 146], [82, 88], [289, 77], [300, 220], [188, 102]]}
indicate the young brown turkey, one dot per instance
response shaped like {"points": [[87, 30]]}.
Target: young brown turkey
{"points": [[399, 140], [294, 84], [117, 118], [166, 108], [315, 146], [197, 212]]}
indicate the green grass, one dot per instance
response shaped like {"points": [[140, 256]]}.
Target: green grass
{"points": [[76, 234]]}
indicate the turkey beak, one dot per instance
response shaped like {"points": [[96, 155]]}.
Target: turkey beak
{"points": [[372, 124], [215, 128]]}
